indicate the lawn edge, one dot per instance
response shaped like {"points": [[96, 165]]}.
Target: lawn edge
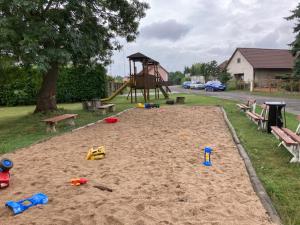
{"points": [[100, 121], [256, 183], [70, 131]]}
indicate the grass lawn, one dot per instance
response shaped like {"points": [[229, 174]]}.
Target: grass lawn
{"points": [[19, 128]]}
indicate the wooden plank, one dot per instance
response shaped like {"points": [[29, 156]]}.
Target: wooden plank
{"points": [[293, 135], [60, 118], [283, 136], [106, 106], [242, 106], [253, 116]]}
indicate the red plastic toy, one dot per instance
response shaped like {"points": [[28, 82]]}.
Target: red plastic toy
{"points": [[111, 120], [4, 179], [78, 181]]}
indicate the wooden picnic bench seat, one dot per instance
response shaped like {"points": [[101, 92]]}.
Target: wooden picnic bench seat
{"points": [[243, 107], [283, 136], [51, 122], [259, 119], [250, 105], [107, 108], [290, 140], [293, 135]]}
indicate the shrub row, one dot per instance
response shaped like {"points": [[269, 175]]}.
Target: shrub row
{"points": [[20, 86]]}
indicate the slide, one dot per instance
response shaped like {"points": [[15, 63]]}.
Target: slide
{"points": [[115, 93], [164, 92]]}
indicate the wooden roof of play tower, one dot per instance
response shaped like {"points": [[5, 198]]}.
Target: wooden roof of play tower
{"points": [[139, 57]]}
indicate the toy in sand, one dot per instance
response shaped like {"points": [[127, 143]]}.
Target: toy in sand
{"points": [[78, 181], [96, 154], [111, 120], [5, 166], [147, 105], [207, 159], [21, 206]]}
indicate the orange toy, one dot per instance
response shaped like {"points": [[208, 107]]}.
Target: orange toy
{"points": [[78, 181]]}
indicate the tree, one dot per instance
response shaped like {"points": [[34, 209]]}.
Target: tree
{"points": [[223, 76], [176, 77], [296, 44], [51, 33], [209, 70]]}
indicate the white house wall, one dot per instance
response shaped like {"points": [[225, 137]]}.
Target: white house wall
{"points": [[243, 67]]}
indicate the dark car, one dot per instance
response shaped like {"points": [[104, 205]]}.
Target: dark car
{"points": [[214, 86], [186, 84]]}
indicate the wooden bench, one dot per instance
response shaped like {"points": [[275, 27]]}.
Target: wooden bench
{"points": [[290, 140], [51, 122], [243, 107], [298, 128], [249, 106], [106, 108], [259, 119]]}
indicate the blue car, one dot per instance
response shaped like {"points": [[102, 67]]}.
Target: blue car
{"points": [[214, 86], [186, 84]]}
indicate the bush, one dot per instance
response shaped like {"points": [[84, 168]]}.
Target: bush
{"points": [[20, 86], [81, 83]]}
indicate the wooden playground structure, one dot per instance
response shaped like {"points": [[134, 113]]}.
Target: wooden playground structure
{"points": [[144, 81]]}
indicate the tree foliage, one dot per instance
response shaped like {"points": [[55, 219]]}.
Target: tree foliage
{"points": [[20, 85], [209, 70], [51, 33], [176, 77], [296, 43]]}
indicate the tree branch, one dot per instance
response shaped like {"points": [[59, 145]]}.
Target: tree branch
{"points": [[48, 6]]}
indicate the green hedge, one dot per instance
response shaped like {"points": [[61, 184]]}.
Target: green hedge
{"points": [[81, 83], [20, 86]]}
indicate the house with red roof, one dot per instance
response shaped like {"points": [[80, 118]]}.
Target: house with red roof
{"points": [[254, 65]]}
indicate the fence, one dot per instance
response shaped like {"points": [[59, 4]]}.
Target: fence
{"points": [[271, 85], [277, 85]]}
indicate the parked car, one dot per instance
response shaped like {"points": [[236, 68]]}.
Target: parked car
{"points": [[186, 84], [214, 86], [197, 86]]}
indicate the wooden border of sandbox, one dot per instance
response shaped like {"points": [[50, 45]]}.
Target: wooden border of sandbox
{"points": [[100, 121], [257, 185]]}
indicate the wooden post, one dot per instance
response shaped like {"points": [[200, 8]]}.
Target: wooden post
{"points": [[131, 80], [144, 81]]}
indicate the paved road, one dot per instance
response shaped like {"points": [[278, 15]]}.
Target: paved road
{"points": [[292, 105]]}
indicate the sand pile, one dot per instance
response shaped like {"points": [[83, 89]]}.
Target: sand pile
{"points": [[153, 165]]}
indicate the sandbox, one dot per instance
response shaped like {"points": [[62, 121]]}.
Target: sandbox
{"points": [[153, 164]]}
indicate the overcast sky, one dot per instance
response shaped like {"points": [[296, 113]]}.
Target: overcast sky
{"points": [[178, 33]]}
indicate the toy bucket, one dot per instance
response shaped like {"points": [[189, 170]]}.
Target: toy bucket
{"points": [[111, 120]]}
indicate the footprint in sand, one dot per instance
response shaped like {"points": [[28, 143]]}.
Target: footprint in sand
{"points": [[140, 207], [110, 220], [140, 222]]}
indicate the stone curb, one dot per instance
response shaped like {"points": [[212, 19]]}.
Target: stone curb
{"points": [[257, 185]]}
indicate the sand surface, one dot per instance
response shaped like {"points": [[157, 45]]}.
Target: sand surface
{"points": [[154, 166]]}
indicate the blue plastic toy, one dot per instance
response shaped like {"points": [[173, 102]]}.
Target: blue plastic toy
{"points": [[5, 165], [21, 206], [207, 159]]}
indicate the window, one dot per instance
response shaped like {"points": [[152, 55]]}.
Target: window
{"points": [[239, 60]]}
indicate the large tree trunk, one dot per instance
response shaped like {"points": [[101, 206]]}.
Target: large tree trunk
{"points": [[47, 95]]}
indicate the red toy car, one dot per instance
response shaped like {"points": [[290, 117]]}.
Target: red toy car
{"points": [[5, 166], [4, 179]]}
